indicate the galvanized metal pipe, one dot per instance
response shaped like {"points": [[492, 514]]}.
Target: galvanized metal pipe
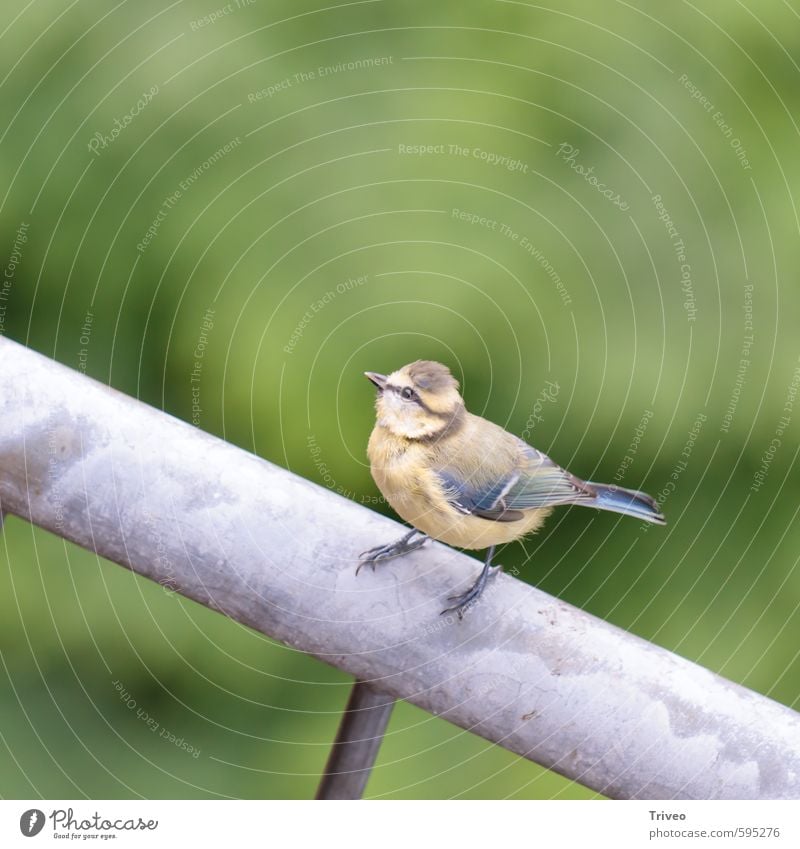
{"points": [[278, 553]]}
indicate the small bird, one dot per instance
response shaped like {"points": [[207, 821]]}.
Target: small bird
{"points": [[463, 480]]}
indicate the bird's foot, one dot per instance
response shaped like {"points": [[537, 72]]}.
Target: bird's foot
{"points": [[390, 550], [466, 600]]}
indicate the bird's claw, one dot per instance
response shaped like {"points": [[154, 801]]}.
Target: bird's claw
{"points": [[466, 600], [372, 556], [363, 563]]}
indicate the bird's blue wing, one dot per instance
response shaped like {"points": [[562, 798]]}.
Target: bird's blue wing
{"points": [[543, 483], [536, 482], [480, 498]]}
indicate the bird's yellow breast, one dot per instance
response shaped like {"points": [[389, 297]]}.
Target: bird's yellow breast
{"points": [[401, 469]]}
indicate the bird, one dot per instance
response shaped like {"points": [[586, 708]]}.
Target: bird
{"points": [[463, 480]]}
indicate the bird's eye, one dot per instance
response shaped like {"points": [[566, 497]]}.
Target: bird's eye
{"points": [[407, 393]]}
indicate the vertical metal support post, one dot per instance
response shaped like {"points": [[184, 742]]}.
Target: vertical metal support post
{"points": [[357, 743]]}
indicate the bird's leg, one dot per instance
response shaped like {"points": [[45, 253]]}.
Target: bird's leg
{"points": [[467, 599], [392, 549]]}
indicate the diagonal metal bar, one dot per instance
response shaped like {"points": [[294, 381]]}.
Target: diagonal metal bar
{"points": [[357, 743], [278, 553]]}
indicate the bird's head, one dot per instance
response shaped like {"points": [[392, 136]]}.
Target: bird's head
{"points": [[418, 401]]}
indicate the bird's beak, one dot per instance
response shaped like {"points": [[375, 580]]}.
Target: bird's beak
{"points": [[378, 379]]}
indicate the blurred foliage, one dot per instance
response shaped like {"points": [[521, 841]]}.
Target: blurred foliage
{"points": [[315, 190]]}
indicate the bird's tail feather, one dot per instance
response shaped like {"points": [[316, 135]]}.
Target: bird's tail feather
{"points": [[629, 502]]}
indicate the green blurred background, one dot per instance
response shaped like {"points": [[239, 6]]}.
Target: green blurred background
{"points": [[276, 151]]}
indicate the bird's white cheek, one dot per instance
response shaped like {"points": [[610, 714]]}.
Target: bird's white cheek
{"points": [[389, 410]]}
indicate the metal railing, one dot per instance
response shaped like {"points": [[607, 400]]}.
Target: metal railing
{"points": [[278, 553]]}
